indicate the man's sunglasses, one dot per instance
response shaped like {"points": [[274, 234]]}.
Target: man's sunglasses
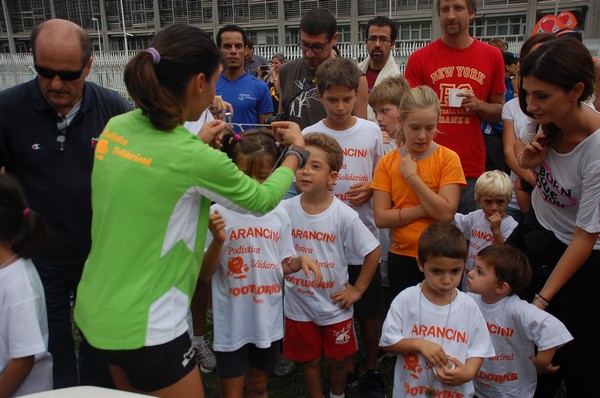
{"points": [[64, 76]]}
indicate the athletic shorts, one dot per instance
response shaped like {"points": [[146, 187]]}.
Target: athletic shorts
{"points": [[371, 303], [153, 368], [232, 364], [307, 341]]}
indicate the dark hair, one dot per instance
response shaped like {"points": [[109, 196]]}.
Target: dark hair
{"points": [[510, 265], [441, 240], [23, 229], [84, 40], [159, 89], [382, 21], [329, 145], [337, 72], [471, 6], [533, 41], [562, 62], [234, 28], [255, 144], [317, 21]]}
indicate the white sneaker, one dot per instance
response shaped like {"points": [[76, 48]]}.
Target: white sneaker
{"points": [[284, 366], [205, 357]]}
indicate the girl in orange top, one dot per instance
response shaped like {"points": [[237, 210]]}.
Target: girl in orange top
{"points": [[416, 185]]}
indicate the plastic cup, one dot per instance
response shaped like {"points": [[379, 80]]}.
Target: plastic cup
{"points": [[454, 100]]}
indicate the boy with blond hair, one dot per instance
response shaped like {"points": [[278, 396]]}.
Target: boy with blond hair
{"points": [[515, 325], [385, 101], [319, 316], [361, 142], [489, 225]]}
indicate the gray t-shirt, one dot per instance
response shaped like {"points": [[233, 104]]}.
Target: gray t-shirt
{"points": [[298, 85]]}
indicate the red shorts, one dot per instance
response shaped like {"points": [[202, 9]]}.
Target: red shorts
{"points": [[306, 341]]}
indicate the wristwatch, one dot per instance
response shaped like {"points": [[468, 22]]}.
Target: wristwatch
{"points": [[299, 152]]}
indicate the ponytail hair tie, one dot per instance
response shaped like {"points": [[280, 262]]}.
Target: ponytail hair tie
{"points": [[237, 137], [26, 211], [155, 55]]}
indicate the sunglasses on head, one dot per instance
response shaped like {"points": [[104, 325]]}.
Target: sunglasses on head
{"points": [[65, 76]]}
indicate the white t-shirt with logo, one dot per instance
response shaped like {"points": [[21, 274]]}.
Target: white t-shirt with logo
{"points": [[246, 289], [515, 326], [327, 237], [476, 229], [363, 146], [459, 328]]}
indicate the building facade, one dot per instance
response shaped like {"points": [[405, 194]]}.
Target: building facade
{"points": [[272, 22]]}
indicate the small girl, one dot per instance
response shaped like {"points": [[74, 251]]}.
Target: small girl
{"points": [[414, 186], [25, 363], [248, 256]]}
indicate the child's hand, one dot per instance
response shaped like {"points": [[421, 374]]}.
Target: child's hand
{"points": [[433, 353], [452, 375], [543, 365], [408, 166], [308, 265], [495, 221], [359, 193], [216, 225], [386, 137], [346, 297]]}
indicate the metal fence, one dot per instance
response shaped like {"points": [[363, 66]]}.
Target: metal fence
{"points": [[107, 69]]}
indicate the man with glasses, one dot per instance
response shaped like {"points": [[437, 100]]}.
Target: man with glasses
{"points": [[48, 133], [380, 39], [299, 99]]}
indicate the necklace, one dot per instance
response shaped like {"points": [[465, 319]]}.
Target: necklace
{"points": [[8, 261], [431, 391]]}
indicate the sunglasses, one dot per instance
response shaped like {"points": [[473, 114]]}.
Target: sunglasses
{"points": [[64, 76]]}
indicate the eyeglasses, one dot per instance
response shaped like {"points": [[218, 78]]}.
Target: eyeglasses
{"points": [[64, 76], [317, 48], [381, 39], [61, 138]]}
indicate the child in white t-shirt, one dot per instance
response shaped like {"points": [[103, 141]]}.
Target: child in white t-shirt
{"points": [[436, 330], [489, 225], [25, 363], [246, 258], [361, 141], [515, 325], [318, 316]]}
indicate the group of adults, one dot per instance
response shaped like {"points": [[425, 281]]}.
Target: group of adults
{"points": [[152, 181]]}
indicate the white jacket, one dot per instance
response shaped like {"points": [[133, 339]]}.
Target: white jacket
{"points": [[389, 69]]}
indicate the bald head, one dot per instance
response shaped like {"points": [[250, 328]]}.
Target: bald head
{"points": [[58, 33]]}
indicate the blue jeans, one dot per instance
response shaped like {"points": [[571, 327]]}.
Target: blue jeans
{"points": [[467, 202]]}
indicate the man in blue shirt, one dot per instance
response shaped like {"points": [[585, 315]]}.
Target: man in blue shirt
{"points": [[249, 96]]}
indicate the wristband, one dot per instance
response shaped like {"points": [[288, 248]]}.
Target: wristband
{"points": [[299, 152], [400, 215], [413, 174], [541, 299], [519, 158]]}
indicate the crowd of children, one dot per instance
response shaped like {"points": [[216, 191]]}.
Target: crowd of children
{"points": [[369, 194]]}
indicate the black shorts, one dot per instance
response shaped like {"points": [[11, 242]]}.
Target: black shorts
{"points": [[371, 303], [232, 364], [155, 367]]}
